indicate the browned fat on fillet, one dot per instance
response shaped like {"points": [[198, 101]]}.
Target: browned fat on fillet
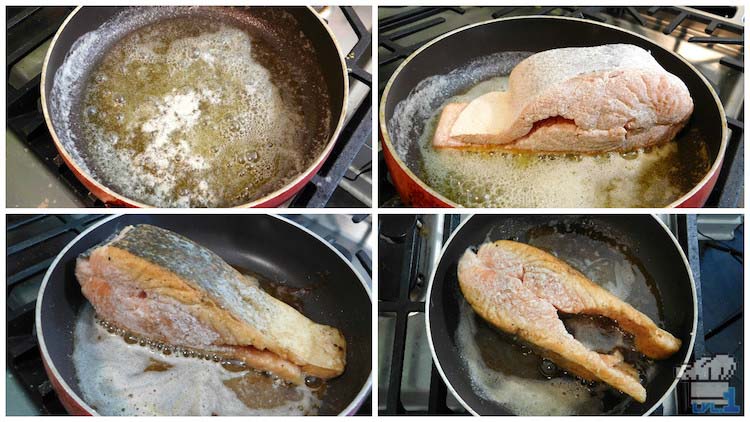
{"points": [[519, 289], [573, 100], [161, 285]]}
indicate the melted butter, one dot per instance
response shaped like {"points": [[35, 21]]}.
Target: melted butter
{"points": [[653, 177], [157, 366], [510, 373], [185, 112], [258, 391], [154, 382]]}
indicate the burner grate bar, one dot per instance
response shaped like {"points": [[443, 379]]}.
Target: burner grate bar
{"points": [[502, 12], [633, 12], [735, 125], [734, 63], [319, 190], [75, 225], [682, 13], [30, 29], [416, 28], [717, 40], [724, 324], [26, 221], [411, 16], [20, 15], [393, 306], [401, 306], [28, 272], [436, 404], [728, 189], [398, 52], [675, 23], [361, 50], [27, 308], [15, 95]]}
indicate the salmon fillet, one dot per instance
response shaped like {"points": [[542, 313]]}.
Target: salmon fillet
{"points": [[520, 289], [163, 286], [573, 100]]}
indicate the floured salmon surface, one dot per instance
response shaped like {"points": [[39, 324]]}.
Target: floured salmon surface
{"points": [[159, 285], [121, 375], [525, 292], [193, 111], [651, 177], [613, 97]]}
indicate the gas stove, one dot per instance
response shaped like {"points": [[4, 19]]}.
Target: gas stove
{"points": [[710, 38], [33, 241], [409, 248], [37, 176]]}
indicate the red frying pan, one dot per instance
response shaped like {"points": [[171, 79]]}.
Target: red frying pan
{"points": [[458, 48], [320, 67]]}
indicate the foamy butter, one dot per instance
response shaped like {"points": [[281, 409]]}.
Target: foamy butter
{"points": [[180, 112], [655, 177], [117, 378], [522, 396]]}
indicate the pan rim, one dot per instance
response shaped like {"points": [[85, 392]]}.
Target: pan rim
{"points": [[309, 172], [715, 166], [677, 377], [350, 408]]}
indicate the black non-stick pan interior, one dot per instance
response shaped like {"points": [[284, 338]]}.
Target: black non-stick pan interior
{"points": [[639, 236], [272, 248], [539, 34]]}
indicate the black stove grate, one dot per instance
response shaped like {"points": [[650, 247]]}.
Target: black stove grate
{"points": [[415, 20], [400, 274], [395, 285], [33, 242], [30, 27], [357, 132]]}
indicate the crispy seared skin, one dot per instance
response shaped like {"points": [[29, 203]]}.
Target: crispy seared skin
{"points": [[573, 100], [161, 285], [519, 289]]}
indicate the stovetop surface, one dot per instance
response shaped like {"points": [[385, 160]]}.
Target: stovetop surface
{"points": [[711, 39]]}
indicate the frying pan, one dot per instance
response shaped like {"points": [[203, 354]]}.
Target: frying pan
{"points": [[532, 34], [272, 247], [642, 237], [279, 26]]}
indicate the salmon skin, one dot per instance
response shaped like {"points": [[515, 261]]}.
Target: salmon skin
{"points": [[520, 289], [160, 285]]}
